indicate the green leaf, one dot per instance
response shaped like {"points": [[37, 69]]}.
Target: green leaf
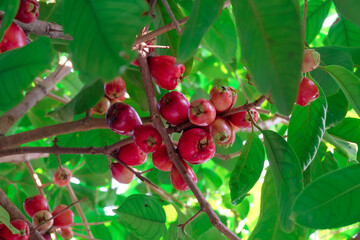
{"points": [[349, 84], [212, 177], [103, 34], [344, 33], [271, 47], [19, 67], [349, 9], [203, 15], [348, 130], [89, 95], [337, 108], [10, 8], [308, 124], [146, 217], [5, 219], [323, 163], [247, 169], [267, 226], [287, 175], [330, 201]]}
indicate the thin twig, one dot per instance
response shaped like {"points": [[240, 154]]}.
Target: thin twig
{"points": [[90, 224], [304, 19], [172, 16], [227, 156], [36, 178], [183, 226], [57, 98]]}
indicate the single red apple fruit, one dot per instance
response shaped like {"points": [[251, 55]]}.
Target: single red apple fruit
{"points": [[221, 97], [202, 112], [242, 119], [115, 89], [147, 138], [131, 155], [161, 159], [101, 107], [62, 177], [174, 107], [14, 37], [166, 73], [40, 217], [28, 11], [178, 181], [231, 140], [34, 204], [308, 92], [66, 233], [65, 218], [311, 60], [121, 173], [196, 146], [122, 119], [21, 225], [220, 130]]}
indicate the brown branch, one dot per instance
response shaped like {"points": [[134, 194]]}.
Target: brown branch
{"points": [[23, 157], [183, 226], [36, 179], [32, 98], [227, 156], [172, 16]]}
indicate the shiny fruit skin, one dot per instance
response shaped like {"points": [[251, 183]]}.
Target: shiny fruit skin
{"points": [[62, 178], [65, 219], [220, 130], [102, 106], [311, 60], [242, 120], [121, 173], [221, 97], [66, 233], [14, 37], [28, 11], [122, 119], [35, 204], [231, 140], [41, 217], [202, 112], [115, 88], [196, 146], [166, 73], [308, 92], [161, 159], [131, 155], [178, 181], [21, 225], [147, 138], [174, 107]]}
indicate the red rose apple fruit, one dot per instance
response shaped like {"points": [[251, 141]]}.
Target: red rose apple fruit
{"points": [[40, 217], [122, 119], [178, 181], [21, 225], [115, 88], [242, 119], [161, 159], [47, 236], [121, 173], [66, 233], [221, 97], [166, 73], [14, 37], [147, 138], [220, 130], [35, 204], [174, 107], [102, 106], [65, 218], [311, 60], [231, 140], [62, 177], [202, 112], [28, 11], [308, 92], [196, 146], [131, 155]]}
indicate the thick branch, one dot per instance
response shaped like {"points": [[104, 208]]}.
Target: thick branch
{"points": [[23, 157]]}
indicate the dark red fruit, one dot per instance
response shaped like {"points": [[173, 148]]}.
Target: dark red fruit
{"points": [[178, 181], [166, 73], [161, 159], [121, 173], [115, 88], [14, 37], [122, 119], [131, 155], [65, 219], [308, 92], [66, 233], [242, 119], [174, 107], [47, 236], [34, 204], [101, 107], [221, 97], [202, 112], [28, 11], [147, 138], [40, 217], [220, 130], [62, 177], [196, 146], [21, 225], [311, 60]]}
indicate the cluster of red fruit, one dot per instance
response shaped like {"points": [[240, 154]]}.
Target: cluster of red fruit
{"points": [[14, 36]]}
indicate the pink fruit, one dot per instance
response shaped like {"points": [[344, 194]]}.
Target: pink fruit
{"points": [[308, 92], [28, 11], [62, 177], [121, 173], [41, 217], [14, 37], [178, 181], [311, 60], [202, 112], [221, 97], [65, 218], [220, 130], [242, 119], [161, 159]]}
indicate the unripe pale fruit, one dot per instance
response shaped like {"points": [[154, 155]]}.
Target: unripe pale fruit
{"points": [[21, 225], [178, 181], [161, 159], [65, 219], [35, 204], [122, 119], [115, 88], [28, 11], [202, 112], [147, 138], [221, 97], [66, 233], [308, 92], [14, 37], [174, 107], [231, 140], [311, 60], [242, 119], [40, 217], [121, 173], [131, 155], [62, 177], [220, 130], [101, 107]]}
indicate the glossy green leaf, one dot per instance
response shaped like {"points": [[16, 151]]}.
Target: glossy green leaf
{"points": [[323, 163], [89, 95], [146, 216], [334, 141], [287, 175], [349, 84], [88, 177], [10, 8], [268, 226], [337, 108], [349, 9], [344, 33], [271, 47], [212, 177], [203, 15], [103, 34], [306, 129], [19, 67], [5, 219], [348, 130], [247, 170], [135, 88], [330, 201]]}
